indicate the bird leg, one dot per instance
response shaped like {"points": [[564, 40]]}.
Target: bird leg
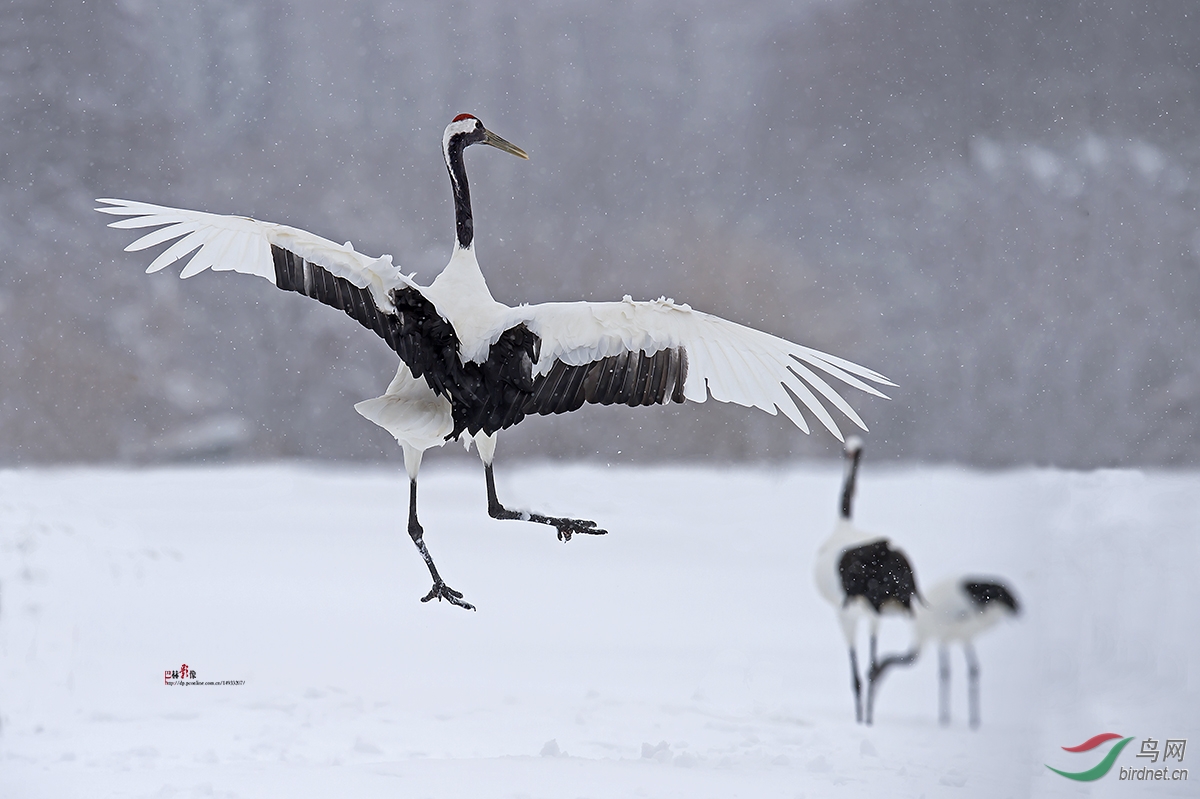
{"points": [[879, 668], [566, 527], [856, 686], [943, 685], [973, 683], [440, 590], [872, 673]]}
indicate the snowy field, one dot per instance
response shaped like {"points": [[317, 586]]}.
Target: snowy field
{"points": [[686, 654]]}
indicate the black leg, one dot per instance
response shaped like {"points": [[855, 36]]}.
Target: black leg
{"points": [[566, 527], [880, 668], [440, 590], [973, 685], [856, 686], [943, 685], [872, 673]]}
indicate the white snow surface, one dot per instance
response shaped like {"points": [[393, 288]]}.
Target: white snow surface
{"points": [[685, 654]]}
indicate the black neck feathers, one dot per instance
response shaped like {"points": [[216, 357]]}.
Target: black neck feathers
{"points": [[464, 226], [848, 487]]}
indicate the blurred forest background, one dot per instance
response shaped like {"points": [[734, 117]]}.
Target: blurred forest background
{"points": [[993, 202]]}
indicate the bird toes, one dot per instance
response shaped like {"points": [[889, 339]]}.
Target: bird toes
{"points": [[569, 527], [442, 591]]}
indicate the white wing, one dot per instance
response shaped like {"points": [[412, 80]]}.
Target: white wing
{"points": [[731, 362], [242, 244]]}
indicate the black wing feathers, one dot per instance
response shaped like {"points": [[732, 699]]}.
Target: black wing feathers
{"points": [[418, 334], [293, 273], [629, 378], [879, 574], [498, 393], [502, 383], [982, 593]]}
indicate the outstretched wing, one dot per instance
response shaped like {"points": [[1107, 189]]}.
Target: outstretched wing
{"points": [[373, 291], [242, 244], [647, 353]]}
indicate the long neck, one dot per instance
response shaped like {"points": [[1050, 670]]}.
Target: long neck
{"points": [[848, 485], [463, 225]]}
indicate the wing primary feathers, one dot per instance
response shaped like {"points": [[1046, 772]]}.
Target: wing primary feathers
{"points": [[678, 375], [176, 251], [285, 274], [343, 297], [293, 273], [573, 397], [631, 378], [668, 374], [631, 372], [364, 311], [151, 239], [814, 380], [325, 285], [809, 400], [833, 366], [547, 386], [653, 393], [614, 377], [645, 364], [591, 383]]}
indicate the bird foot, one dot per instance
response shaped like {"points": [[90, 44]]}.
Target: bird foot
{"points": [[566, 527], [569, 527], [881, 667], [442, 591]]}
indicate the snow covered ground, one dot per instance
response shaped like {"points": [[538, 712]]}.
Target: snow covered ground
{"points": [[686, 654]]}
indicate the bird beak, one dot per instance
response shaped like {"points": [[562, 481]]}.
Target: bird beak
{"points": [[508, 147]]}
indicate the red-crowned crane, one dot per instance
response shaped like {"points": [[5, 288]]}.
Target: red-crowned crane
{"points": [[959, 609], [471, 366], [863, 577]]}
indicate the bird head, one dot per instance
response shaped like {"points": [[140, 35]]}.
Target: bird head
{"points": [[466, 130], [854, 446]]}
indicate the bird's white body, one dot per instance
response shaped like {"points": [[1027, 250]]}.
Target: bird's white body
{"points": [[418, 418], [956, 610], [829, 580], [462, 297], [949, 615]]}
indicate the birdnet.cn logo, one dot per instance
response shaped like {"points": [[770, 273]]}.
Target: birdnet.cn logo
{"points": [[1149, 770]]}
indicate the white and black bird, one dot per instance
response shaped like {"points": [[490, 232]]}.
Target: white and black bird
{"points": [[864, 578], [957, 610], [471, 366]]}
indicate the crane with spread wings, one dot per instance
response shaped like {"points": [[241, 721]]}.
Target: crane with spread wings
{"points": [[471, 366]]}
